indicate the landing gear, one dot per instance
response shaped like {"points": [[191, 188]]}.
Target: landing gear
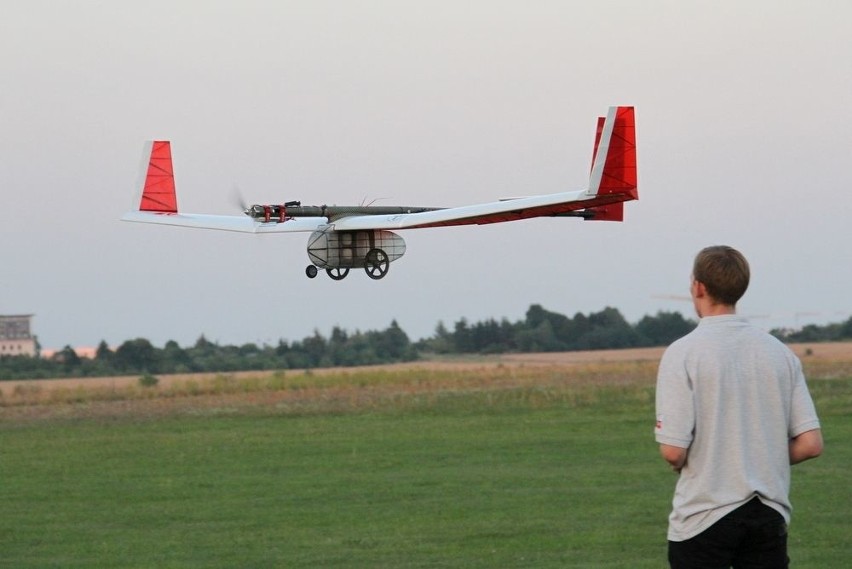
{"points": [[376, 264], [337, 273]]}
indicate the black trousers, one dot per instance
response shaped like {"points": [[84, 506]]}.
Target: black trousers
{"points": [[754, 536]]}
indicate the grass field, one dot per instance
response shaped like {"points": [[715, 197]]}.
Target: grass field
{"points": [[490, 466]]}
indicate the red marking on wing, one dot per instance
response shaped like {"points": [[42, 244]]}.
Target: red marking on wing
{"points": [[598, 133], [159, 192], [598, 202]]}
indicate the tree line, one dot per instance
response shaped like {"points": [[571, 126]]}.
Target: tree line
{"points": [[836, 332], [539, 331]]}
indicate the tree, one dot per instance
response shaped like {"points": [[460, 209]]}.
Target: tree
{"points": [[175, 359], [539, 339], [462, 340], [314, 349], [663, 329], [535, 316], [610, 330], [69, 359], [137, 356], [574, 333], [559, 334], [440, 343], [846, 330], [393, 344], [104, 354], [489, 337]]}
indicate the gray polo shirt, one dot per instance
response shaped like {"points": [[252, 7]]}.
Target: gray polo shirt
{"points": [[734, 396]]}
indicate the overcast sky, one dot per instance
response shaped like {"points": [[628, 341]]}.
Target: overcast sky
{"points": [[744, 114]]}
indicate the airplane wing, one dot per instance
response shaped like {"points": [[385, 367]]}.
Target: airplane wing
{"points": [[236, 223], [612, 182], [555, 205], [158, 203]]}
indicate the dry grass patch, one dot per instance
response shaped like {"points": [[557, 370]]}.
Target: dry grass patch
{"points": [[579, 376]]}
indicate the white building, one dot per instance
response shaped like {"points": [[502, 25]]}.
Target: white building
{"points": [[15, 336]]}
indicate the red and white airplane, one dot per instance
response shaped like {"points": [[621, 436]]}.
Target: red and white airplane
{"points": [[347, 237]]}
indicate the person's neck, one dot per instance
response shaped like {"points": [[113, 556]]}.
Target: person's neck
{"points": [[710, 309]]}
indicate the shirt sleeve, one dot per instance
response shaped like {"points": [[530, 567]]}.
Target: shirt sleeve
{"points": [[803, 417], [675, 407]]}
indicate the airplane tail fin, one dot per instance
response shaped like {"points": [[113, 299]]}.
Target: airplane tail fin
{"points": [[158, 192], [614, 164]]}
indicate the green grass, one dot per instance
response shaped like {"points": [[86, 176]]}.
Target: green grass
{"points": [[557, 477]]}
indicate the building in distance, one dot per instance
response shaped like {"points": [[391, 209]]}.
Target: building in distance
{"points": [[15, 336]]}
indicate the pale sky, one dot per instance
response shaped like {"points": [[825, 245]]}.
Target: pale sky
{"points": [[744, 128]]}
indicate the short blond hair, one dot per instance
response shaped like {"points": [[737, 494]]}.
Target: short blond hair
{"points": [[723, 271]]}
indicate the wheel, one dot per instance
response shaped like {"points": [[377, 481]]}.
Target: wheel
{"points": [[311, 271], [376, 264], [337, 273]]}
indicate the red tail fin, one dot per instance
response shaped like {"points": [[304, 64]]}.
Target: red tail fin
{"points": [[614, 165], [619, 174], [158, 194]]}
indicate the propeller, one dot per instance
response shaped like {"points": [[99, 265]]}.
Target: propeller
{"points": [[256, 211], [238, 199]]}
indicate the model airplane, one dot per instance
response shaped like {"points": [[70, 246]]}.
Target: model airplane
{"points": [[347, 237]]}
